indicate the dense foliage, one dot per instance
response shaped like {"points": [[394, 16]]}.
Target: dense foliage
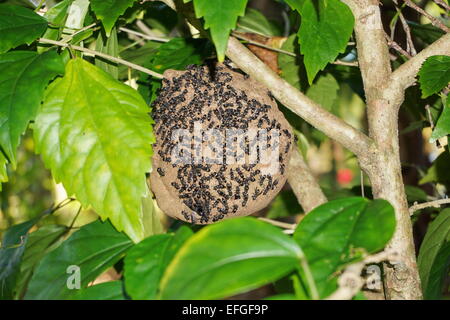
{"points": [[88, 117]]}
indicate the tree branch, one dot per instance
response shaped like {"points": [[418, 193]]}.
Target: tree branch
{"points": [[332, 126], [303, 183], [373, 52], [405, 75], [103, 55], [435, 204]]}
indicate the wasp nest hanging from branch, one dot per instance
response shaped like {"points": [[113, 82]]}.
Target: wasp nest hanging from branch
{"points": [[222, 145]]}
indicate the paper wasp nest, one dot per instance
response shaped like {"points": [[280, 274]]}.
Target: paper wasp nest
{"points": [[222, 145]]}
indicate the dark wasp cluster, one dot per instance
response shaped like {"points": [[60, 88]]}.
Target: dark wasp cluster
{"points": [[211, 191]]}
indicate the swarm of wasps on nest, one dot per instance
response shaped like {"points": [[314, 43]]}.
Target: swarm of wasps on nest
{"points": [[222, 145]]}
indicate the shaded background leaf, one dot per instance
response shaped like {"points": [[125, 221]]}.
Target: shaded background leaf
{"points": [[434, 256], [19, 25], [93, 248]]}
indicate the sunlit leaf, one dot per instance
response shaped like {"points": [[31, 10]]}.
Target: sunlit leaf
{"points": [[95, 134]]}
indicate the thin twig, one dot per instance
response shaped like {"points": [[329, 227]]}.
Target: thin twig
{"points": [[409, 42], [70, 37], [280, 224], [259, 44], [103, 55], [394, 45], [434, 204], [345, 63], [144, 36], [434, 21]]}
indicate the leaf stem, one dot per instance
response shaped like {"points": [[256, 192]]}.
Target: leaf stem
{"points": [[103, 55], [309, 277]]}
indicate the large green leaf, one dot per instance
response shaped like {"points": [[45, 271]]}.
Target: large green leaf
{"points": [[443, 124], [95, 135], [434, 256], [112, 290], [108, 11], [323, 34], [94, 248], [11, 252], [19, 25], [220, 17], [39, 243], [434, 75], [338, 232], [145, 263], [229, 257], [23, 78]]}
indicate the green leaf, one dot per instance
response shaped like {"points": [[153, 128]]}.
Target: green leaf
{"points": [[95, 135], [434, 256], [414, 194], [324, 91], [56, 17], [292, 68], [108, 11], [434, 75], [145, 263], [227, 258], [94, 248], [179, 53], [11, 251], [39, 243], [443, 124], [332, 234], [77, 14], [439, 170], [109, 46], [112, 290], [3, 172], [255, 22], [220, 18], [19, 25], [323, 35], [23, 78], [138, 56]]}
